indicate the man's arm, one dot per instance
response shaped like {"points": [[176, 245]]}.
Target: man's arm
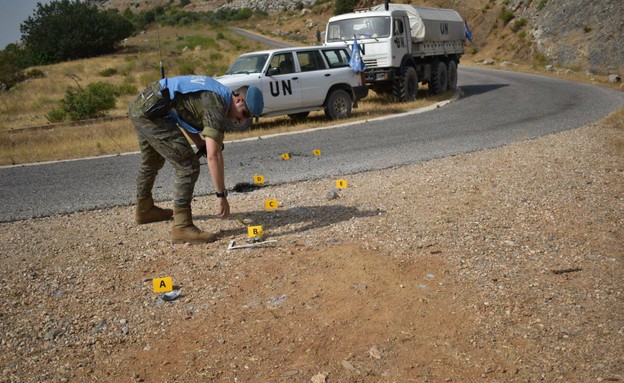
{"points": [[217, 174]]}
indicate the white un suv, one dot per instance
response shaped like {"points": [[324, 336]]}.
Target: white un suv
{"points": [[297, 80]]}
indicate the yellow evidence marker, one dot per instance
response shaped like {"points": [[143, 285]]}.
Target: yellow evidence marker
{"points": [[255, 231], [271, 204], [341, 184], [258, 179], [162, 285], [316, 152], [285, 156]]}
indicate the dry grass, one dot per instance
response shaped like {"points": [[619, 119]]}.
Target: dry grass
{"points": [[27, 104], [115, 137], [137, 63]]}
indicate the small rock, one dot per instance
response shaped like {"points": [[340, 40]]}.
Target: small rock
{"points": [[346, 364], [614, 78], [332, 194], [319, 378], [374, 352]]}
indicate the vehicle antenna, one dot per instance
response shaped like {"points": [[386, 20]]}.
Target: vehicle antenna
{"points": [[162, 67]]}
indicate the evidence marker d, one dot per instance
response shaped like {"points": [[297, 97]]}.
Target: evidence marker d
{"points": [[258, 179]]}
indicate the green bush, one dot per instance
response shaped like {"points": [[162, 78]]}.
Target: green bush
{"points": [[56, 115], [541, 4], [186, 67], [35, 73], [506, 15], [90, 102], [344, 6], [518, 24], [108, 72], [126, 88]]}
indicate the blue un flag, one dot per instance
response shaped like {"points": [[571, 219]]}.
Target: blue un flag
{"points": [[356, 61], [468, 33]]}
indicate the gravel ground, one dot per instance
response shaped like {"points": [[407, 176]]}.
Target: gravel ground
{"points": [[504, 265]]}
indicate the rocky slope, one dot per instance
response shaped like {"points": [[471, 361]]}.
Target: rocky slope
{"points": [[574, 34]]}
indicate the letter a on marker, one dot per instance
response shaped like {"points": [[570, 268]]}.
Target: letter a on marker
{"points": [[162, 285]]}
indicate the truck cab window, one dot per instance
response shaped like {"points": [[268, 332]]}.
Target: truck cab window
{"points": [[398, 27]]}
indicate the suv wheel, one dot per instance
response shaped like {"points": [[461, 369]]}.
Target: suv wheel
{"points": [[338, 105]]}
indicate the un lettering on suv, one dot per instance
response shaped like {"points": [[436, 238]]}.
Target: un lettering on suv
{"points": [[296, 81]]}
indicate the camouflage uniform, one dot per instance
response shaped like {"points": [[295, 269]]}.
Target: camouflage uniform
{"points": [[161, 139]]}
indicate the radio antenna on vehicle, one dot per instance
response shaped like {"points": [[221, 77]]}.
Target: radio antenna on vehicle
{"points": [[162, 67]]}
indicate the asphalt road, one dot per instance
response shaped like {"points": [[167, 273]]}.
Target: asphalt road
{"points": [[497, 108]]}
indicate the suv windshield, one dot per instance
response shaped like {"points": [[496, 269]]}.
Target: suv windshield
{"points": [[363, 27], [248, 64]]}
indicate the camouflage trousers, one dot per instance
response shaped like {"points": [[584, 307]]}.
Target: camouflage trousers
{"points": [[161, 140]]}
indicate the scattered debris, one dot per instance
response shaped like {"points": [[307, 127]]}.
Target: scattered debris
{"points": [[564, 271], [171, 295], [232, 245]]}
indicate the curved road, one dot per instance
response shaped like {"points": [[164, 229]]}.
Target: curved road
{"points": [[497, 108]]}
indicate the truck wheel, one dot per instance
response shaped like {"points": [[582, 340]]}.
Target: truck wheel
{"points": [[439, 78], [452, 75], [338, 105], [406, 89], [298, 116]]}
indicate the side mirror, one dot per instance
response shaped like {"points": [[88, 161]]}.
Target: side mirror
{"points": [[273, 71]]}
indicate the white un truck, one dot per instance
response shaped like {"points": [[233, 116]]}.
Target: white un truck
{"points": [[402, 45]]}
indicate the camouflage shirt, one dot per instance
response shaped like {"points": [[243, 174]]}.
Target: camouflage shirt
{"points": [[205, 111]]}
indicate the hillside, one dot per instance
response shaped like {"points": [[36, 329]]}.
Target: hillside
{"points": [[571, 34]]}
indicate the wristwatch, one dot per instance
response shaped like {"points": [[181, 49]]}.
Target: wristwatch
{"points": [[222, 195]]}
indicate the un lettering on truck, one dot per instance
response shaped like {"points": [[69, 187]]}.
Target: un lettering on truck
{"points": [[403, 45]]}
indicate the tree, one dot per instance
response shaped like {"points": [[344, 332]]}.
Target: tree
{"points": [[66, 30], [344, 6]]}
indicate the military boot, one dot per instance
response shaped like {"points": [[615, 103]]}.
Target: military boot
{"points": [[185, 231], [147, 212]]}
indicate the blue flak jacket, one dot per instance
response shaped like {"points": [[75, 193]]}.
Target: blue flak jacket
{"points": [[191, 84]]}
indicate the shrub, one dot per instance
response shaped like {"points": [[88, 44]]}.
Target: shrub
{"points": [[186, 67], [90, 102], [344, 6], [541, 4], [587, 28], [56, 115], [518, 24], [506, 15], [126, 88], [35, 73], [108, 72]]}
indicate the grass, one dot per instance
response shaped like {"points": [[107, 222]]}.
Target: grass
{"points": [[117, 136], [137, 64]]}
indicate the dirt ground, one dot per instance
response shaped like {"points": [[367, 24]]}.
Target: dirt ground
{"points": [[504, 265]]}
